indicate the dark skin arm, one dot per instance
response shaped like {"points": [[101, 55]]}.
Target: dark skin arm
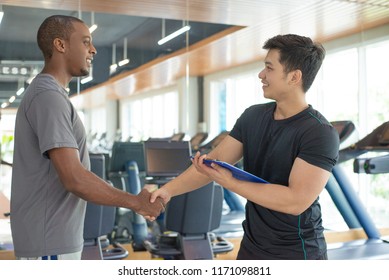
{"points": [[88, 186]]}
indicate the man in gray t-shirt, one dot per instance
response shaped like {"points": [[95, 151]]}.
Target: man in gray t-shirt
{"points": [[51, 181], [42, 209]]}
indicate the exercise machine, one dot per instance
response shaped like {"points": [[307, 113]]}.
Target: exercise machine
{"points": [[189, 220], [126, 172], [99, 223], [348, 202]]}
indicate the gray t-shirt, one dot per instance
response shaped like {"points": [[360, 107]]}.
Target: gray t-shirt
{"points": [[46, 219]]}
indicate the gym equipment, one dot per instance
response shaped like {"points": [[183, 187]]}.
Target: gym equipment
{"points": [[197, 139], [139, 224], [234, 214], [165, 160], [191, 217], [126, 160], [213, 143], [99, 222], [347, 201], [179, 136]]}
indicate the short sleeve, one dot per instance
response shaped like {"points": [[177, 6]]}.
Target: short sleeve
{"points": [[320, 146], [50, 117]]}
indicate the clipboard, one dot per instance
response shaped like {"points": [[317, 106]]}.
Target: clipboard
{"points": [[237, 173]]}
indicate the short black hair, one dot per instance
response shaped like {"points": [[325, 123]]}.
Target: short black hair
{"points": [[298, 53], [56, 26]]}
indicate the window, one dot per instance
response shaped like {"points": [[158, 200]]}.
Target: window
{"points": [[339, 86], [98, 122], [152, 116], [376, 190], [230, 96], [352, 85]]}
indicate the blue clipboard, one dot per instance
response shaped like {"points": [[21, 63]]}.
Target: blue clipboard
{"points": [[237, 173]]}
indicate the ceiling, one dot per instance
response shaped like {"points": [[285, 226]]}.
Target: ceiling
{"points": [[21, 58], [235, 30]]}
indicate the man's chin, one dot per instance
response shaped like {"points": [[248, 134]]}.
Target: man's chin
{"points": [[84, 72]]}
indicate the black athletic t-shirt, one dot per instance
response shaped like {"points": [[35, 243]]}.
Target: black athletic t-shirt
{"points": [[269, 150]]}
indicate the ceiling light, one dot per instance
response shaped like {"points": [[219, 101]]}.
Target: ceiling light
{"points": [[125, 60], [1, 13], [5, 104], [93, 26], [114, 65], [12, 99], [33, 74], [20, 91], [174, 34], [29, 80], [112, 68], [86, 80]]}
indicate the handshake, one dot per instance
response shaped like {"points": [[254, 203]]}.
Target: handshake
{"points": [[147, 207]]}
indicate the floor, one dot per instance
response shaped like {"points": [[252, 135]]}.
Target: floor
{"points": [[144, 255], [8, 254]]}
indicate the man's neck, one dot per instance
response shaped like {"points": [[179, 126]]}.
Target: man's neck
{"points": [[58, 73], [288, 109]]}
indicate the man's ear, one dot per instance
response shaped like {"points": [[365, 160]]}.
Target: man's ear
{"points": [[295, 76], [59, 45]]}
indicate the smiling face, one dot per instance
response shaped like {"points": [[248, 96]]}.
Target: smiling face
{"points": [[80, 51], [274, 79]]}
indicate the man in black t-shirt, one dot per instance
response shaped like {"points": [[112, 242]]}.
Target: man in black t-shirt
{"points": [[287, 143]]}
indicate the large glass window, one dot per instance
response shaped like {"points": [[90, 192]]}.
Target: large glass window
{"points": [[352, 85], [153, 116], [98, 122], [376, 191], [7, 124], [230, 97], [339, 86]]}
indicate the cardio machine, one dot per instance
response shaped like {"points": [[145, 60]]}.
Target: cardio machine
{"points": [[126, 172], [189, 220], [99, 223], [346, 199]]}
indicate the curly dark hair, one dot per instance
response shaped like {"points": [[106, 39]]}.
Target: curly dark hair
{"points": [[56, 26], [298, 52]]}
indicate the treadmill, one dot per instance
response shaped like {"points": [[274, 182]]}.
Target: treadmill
{"points": [[348, 202]]}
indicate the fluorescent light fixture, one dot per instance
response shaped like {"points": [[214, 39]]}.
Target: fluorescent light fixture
{"points": [[123, 62], [113, 67], [29, 80], [92, 28], [86, 80], [1, 13], [93, 25], [174, 34], [5, 104], [20, 91], [12, 99]]}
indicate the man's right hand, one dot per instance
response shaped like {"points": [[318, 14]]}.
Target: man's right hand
{"points": [[160, 194], [149, 210]]}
